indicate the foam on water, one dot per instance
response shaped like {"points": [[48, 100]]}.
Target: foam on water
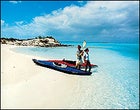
{"points": [[115, 84]]}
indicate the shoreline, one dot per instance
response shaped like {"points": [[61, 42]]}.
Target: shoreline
{"points": [[26, 85], [48, 41]]}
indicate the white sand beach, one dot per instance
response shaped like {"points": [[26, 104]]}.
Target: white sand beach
{"points": [[26, 85]]}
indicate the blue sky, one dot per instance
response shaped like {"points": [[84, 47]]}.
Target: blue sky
{"points": [[95, 21]]}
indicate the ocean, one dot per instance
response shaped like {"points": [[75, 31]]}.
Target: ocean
{"points": [[116, 79]]}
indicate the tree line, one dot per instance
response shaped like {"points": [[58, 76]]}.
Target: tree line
{"points": [[38, 37]]}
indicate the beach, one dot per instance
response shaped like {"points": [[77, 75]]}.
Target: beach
{"points": [[27, 85], [39, 50]]}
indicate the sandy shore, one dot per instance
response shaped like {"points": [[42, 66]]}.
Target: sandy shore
{"points": [[26, 85]]}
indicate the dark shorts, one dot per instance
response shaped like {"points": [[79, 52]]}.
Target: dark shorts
{"points": [[87, 62]]}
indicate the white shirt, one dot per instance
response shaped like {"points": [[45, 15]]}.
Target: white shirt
{"points": [[86, 56]]}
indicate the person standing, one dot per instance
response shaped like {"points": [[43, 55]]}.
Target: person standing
{"points": [[79, 55], [86, 59]]}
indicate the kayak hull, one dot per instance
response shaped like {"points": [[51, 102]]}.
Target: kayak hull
{"points": [[61, 67]]}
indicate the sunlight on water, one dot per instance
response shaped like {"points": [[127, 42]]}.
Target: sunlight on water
{"points": [[116, 79]]}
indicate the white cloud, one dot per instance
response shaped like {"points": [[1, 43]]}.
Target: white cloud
{"points": [[19, 22], [95, 17], [2, 22], [82, 2], [15, 2]]}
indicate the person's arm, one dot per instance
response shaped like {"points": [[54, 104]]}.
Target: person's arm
{"points": [[81, 53]]}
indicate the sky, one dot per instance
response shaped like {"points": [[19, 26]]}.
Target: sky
{"points": [[93, 21]]}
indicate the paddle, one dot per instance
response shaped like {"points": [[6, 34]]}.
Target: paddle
{"points": [[84, 44]]}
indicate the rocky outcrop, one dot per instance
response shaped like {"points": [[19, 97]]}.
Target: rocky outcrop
{"points": [[41, 42]]}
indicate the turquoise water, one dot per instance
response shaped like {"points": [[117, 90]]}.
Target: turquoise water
{"points": [[118, 73]]}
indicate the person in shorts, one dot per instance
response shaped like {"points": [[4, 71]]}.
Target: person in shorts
{"points": [[79, 55], [86, 59]]}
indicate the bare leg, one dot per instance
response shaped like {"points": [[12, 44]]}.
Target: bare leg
{"points": [[86, 67], [89, 66], [79, 66]]}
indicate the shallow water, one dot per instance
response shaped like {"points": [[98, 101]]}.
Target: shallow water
{"points": [[116, 79]]}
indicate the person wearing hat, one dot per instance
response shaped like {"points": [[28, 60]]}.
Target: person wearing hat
{"points": [[86, 59], [79, 55]]}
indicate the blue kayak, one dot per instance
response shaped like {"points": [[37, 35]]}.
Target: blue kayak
{"points": [[61, 67]]}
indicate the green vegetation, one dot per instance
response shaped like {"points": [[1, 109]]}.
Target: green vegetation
{"points": [[38, 37], [42, 37], [37, 41]]}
